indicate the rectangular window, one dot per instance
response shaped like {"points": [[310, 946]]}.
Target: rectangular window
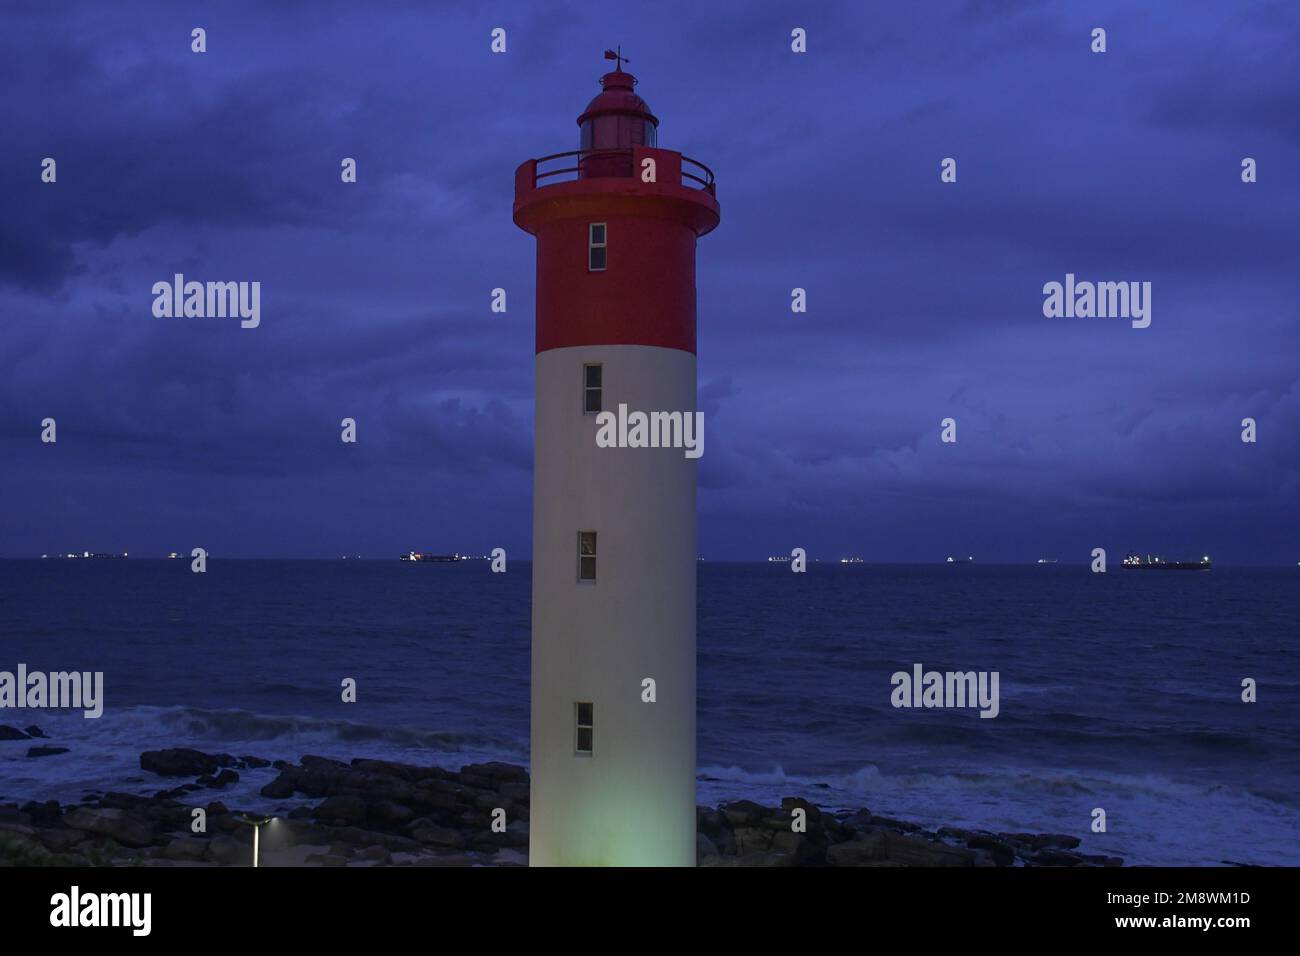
{"points": [[591, 385], [584, 714], [586, 555], [596, 247]]}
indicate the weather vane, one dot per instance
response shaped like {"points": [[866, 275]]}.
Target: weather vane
{"points": [[616, 54]]}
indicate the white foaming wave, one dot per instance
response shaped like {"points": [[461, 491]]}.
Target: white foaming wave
{"points": [[104, 754]]}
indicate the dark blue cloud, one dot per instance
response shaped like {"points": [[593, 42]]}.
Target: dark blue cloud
{"points": [[822, 428]]}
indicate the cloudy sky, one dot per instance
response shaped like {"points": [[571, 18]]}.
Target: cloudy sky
{"points": [[822, 429]]}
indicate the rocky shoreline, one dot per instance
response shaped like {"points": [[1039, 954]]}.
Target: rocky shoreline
{"points": [[381, 813]]}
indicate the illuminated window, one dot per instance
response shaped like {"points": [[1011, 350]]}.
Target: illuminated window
{"points": [[591, 385], [586, 555], [584, 713], [596, 247]]}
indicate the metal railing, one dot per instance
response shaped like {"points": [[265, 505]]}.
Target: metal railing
{"points": [[691, 169]]}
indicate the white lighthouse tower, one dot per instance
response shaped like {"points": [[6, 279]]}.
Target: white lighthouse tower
{"points": [[614, 550]]}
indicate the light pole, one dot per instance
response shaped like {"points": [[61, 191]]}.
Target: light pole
{"points": [[256, 822]]}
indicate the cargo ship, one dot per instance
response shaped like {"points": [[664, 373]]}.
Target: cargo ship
{"points": [[1157, 563], [425, 556]]}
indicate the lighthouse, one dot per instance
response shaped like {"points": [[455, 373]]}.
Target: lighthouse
{"points": [[614, 546]]}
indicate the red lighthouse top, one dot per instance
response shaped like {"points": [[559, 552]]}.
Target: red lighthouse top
{"points": [[616, 223], [617, 118]]}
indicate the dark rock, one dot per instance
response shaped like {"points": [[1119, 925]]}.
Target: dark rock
{"points": [[790, 804], [357, 837], [14, 826], [864, 851], [955, 833], [190, 849], [22, 849], [312, 762], [751, 840], [281, 787], [169, 815], [220, 781], [389, 814], [1058, 840], [183, 762], [60, 840], [771, 858], [798, 845], [11, 733], [915, 851], [224, 849], [1054, 857], [255, 763], [380, 854], [120, 825], [704, 848], [434, 796], [743, 813], [123, 801], [490, 776], [10, 811], [515, 791], [34, 731], [708, 820], [44, 814], [430, 834], [1042, 841], [342, 810], [1003, 853], [403, 771], [46, 751], [901, 826]]}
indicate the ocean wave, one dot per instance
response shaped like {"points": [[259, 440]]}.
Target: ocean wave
{"points": [[1150, 816], [228, 726]]}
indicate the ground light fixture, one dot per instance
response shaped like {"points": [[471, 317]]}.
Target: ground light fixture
{"points": [[256, 821]]}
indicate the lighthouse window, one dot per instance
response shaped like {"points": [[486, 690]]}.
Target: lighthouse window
{"points": [[585, 719], [596, 247], [586, 555], [591, 378]]}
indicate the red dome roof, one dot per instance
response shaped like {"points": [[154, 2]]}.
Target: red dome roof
{"points": [[616, 97]]}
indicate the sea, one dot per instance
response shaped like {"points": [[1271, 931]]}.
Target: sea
{"points": [[1120, 692]]}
